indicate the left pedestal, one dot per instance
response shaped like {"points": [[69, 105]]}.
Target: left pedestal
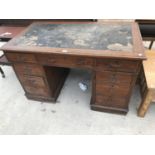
{"points": [[39, 82]]}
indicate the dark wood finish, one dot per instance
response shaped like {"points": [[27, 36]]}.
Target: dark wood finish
{"points": [[40, 83], [33, 83], [17, 57], [29, 69], [56, 77], [42, 74], [65, 61], [113, 89], [117, 65]]}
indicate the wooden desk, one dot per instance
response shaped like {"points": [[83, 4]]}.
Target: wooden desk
{"points": [[44, 52]]}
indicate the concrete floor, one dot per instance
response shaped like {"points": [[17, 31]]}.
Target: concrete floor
{"points": [[70, 115]]}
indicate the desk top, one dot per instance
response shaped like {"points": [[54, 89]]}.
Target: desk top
{"points": [[78, 36], [71, 38]]}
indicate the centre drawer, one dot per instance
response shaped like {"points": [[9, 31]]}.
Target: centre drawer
{"points": [[117, 65], [65, 61]]}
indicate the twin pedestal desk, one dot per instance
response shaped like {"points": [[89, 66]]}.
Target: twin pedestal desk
{"points": [[42, 55]]}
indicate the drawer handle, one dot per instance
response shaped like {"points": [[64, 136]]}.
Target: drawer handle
{"points": [[115, 64]]}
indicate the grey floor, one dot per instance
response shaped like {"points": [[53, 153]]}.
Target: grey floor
{"points": [[70, 115]]}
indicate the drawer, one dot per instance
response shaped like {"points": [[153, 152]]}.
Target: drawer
{"points": [[117, 65], [32, 80], [118, 78], [29, 69], [65, 61], [37, 91], [18, 57], [34, 85], [112, 90], [112, 102]]}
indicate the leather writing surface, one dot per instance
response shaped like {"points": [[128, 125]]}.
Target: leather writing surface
{"points": [[79, 36]]}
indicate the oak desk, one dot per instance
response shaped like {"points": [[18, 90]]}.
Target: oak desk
{"points": [[44, 52]]}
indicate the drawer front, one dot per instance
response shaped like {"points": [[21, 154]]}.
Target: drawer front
{"points": [[107, 78], [33, 81], [18, 57], [29, 69], [39, 92], [112, 90], [111, 102], [117, 65], [34, 85], [65, 61]]}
